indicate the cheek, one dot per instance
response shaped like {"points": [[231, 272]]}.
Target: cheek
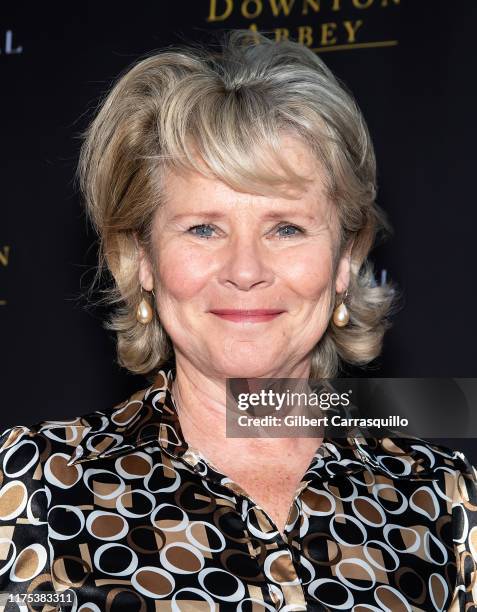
{"points": [[309, 272], [183, 272]]}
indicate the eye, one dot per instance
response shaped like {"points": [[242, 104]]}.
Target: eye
{"points": [[203, 230], [288, 230]]}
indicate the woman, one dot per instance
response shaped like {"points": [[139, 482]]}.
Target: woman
{"points": [[234, 196]]}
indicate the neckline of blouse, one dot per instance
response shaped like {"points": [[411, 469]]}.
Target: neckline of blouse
{"points": [[150, 417]]}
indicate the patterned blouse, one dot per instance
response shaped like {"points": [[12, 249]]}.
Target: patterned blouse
{"points": [[113, 511]]}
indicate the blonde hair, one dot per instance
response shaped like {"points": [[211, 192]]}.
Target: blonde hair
{"points": [[222, 112]]}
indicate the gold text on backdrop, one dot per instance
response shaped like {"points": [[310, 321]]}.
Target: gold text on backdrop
{"points": [[329, 25]]}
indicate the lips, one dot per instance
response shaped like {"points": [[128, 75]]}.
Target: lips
{"points": [[255, 312], [256, 315]]}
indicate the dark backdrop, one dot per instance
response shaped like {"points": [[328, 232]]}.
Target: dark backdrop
{"points": [[411, 66]]}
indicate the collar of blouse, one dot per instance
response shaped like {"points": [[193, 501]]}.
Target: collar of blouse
{"points": [[149, 418]]}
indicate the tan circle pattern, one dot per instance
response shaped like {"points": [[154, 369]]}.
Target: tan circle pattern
{"points": [[114, 507]]}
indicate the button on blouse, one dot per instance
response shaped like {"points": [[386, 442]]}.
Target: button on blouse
{"points": [[114, 510]]}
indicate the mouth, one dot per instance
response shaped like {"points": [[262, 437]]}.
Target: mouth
{"points": [[249, 316]]}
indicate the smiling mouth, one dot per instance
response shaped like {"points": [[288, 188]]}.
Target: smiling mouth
{"points": [[251, 316]]}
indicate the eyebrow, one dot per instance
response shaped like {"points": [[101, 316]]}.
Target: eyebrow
{"points": [[276, 214]]}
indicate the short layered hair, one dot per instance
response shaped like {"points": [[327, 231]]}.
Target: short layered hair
{"points": [[221, 110]]}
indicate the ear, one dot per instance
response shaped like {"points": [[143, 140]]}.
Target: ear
{"points": [[146, 277], [344, 269]]}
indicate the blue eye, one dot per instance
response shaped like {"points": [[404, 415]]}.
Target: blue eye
{"points": [[202, 230], [290, 230]]}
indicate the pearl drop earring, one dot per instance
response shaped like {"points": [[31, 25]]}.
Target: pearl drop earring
{"points": [[341, 313], [144, 312]]}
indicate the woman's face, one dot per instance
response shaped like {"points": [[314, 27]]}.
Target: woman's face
{"points": [[217, 249]]}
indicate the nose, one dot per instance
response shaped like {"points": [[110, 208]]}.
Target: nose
{"points": [[246, 264]]}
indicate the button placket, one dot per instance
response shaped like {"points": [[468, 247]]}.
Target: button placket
{"points": [[279, 556], [279, 565]]}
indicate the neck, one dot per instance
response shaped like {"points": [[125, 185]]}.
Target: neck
{"points": [[201, 407]]}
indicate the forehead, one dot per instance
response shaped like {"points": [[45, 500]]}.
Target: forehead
{"points": [[191, 189]]}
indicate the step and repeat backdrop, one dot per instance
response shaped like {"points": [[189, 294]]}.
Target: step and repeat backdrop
{"points": [[411, 66]]}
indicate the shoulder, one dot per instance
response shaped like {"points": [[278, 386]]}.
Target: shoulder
{"points": [[454, 469], [414, 458], [454, 476], [41, 441], [440, 458]]}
